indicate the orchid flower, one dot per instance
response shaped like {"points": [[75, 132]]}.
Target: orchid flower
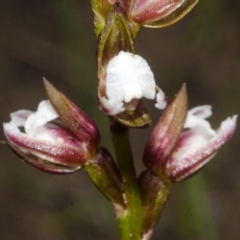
{"points": [[199, 144], [45, 140], [181, 144], [128, 79]]}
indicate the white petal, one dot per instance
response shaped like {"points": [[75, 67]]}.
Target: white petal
{"points": [[204, 111], [132, 92], [131, 106], [45, 133], [227, 126], [11, 127], [189, 142], [44, 114], [111, 107], [196, 118], [161, 100], [20, 117], [128, 77], [42, 133]]}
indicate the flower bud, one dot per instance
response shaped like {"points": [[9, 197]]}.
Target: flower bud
{"points": [[156, 13], [49, 143]]}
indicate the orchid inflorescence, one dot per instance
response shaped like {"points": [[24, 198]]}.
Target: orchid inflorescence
{"points": [[60, 138]]}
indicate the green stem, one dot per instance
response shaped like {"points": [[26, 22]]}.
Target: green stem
{"points": [[130, 222]]}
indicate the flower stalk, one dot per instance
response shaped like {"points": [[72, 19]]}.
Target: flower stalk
{"points": [[130, 221]]}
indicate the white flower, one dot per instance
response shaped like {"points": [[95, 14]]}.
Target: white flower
{"points": [[129, 78]]}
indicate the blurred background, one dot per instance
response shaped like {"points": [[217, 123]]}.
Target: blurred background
{"points": [[55, 39]]}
